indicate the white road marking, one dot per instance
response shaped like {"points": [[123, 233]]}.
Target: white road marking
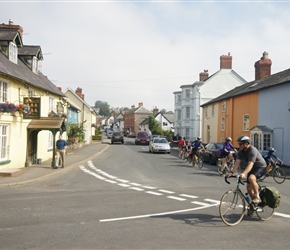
{"points": [[200, 203], [154, 215], [149, 187], [204, 205], [176, 198], [189, 196], [121, 180], [137, 189], [166, 191], [282, 215], [154, 193], [135, 184]]}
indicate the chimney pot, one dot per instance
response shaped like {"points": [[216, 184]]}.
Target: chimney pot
{"points": [[226, 61], [263, 67], [203, 75]]}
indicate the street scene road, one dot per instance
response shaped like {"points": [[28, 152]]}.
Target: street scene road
{"points": [[128, 198]]}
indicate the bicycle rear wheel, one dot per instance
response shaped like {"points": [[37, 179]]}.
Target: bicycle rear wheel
{"points": [[264, 212], [279, 175], [219, 166], [200, 162], [232, 207]]}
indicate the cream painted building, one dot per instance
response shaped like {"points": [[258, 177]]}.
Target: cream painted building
{"points": [[27, 97]]}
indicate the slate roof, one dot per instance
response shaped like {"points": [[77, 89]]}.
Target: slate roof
{"points": [[30, 50], [279, 78], [22, 73]]}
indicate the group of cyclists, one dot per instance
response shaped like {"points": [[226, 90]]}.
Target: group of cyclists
{"points": [[190, 149], [256, 164]]}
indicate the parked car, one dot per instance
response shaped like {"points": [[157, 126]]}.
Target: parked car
{"points": [[212, 152], [109, 134], [142, 137], [117, 137], [159, 144]]}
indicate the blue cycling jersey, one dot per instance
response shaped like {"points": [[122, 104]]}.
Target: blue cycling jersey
{"points": [[196, 144], [268, 156]]}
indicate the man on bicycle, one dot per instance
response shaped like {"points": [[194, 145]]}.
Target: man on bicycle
{"points": [[195, 146], [256, 166], [271, 159], [226, 152]]}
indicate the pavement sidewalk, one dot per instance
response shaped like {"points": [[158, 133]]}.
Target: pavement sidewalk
{"points": [[37, 172]]}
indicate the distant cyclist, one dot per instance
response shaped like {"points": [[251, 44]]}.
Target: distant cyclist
{"points": [[195, 147], [271, 159], [188, 150], [256, 166], [226, 154], [181, 146]]}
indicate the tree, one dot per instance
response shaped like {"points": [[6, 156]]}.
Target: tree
{"points": [[104, 108], [154, 126]]}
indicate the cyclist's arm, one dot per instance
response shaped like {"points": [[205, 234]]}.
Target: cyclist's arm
{"points": [[235, 168]]}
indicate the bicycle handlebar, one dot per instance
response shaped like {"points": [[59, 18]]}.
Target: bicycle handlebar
{"points": [[235, 176]]}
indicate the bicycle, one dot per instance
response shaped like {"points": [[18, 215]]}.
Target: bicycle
{"points": [[234, 204], [198, 160], [228, 167], [278, 173]]}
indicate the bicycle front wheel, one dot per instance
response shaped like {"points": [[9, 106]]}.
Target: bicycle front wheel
{"points": [[232, 207], [279, 175], [264, 212], [219, 166], [200, 162]]}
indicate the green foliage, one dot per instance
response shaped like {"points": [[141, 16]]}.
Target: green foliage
{"points": [[104, 108], [154, 126], [75, 133], [156, 129]]}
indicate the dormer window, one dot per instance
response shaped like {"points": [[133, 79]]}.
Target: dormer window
{"points": [[35, 65], [13, 52]]}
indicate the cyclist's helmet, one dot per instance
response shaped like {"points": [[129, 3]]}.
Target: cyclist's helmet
{"points": [[244, 138], [272, 150], [198, 138], [228, 139]]}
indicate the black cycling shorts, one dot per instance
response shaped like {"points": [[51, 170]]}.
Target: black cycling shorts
{"points": [[258, 172]]}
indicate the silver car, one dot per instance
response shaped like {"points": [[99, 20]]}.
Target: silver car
{"points": [[159, 144]]}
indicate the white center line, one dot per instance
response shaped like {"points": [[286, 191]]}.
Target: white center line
{"points": [[155, 193], [176, 198]]}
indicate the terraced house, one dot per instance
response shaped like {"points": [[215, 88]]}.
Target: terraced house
{"points": [[31, 106], [259, 109]]}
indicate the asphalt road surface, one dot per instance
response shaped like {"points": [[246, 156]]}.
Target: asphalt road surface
{"points": [[128, 198]]}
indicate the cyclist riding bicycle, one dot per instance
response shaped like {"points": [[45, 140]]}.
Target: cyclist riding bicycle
{"points": [[188, 150], [181, 146], [271, 159], [256, 166], [226, 154], [195, 146]]}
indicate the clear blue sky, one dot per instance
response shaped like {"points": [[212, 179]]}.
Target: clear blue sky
{"points": [[126, 52]]}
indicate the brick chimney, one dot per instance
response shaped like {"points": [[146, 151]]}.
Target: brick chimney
{"points": [[226, 61], [155, 111], [203, 75], [60, 88], [11, 25], [132, 106], [263, 67], [79, 93], [140, 104]]}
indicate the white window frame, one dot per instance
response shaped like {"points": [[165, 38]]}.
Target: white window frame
{"points": [[224, 106], [3, 91], [213, 110], [223, 123], [179, 98], [50, 141], [4, 132], [178, 115], [246, 122], [187, 112], [187, 132], [34, 65], [13, 52], [50, 104], [187, 93]]}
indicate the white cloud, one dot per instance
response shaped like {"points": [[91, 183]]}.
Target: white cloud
{"points": [[126, 53]]}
